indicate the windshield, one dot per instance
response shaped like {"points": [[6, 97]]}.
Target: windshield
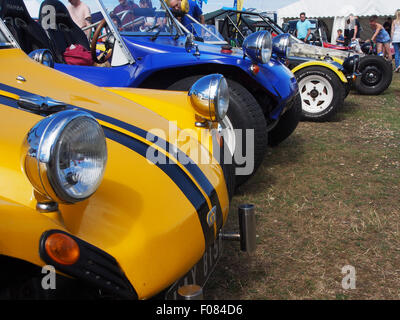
{"points": [[139, 17], [207, 33]]}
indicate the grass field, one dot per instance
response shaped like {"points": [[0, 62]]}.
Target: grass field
{"points": [[327, 197]]}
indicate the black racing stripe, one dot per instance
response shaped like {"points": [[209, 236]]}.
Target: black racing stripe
{"points": [[177, 175], [187, 162]]}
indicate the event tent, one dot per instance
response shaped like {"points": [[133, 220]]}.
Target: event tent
{"points": [[334, 13]]}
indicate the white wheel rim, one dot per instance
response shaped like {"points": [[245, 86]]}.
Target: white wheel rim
{"points": [[316, 94], [225, 127]]}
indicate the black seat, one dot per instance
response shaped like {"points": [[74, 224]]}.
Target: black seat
{"points": [[28, 33], [62, 30]]}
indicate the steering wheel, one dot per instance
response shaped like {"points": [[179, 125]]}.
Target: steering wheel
{"points": [[103, 57]]}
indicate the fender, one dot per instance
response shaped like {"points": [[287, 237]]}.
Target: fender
{"points": [[21, 228], [330, 66]]}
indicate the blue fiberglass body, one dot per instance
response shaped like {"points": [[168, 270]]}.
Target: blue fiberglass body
{"points": [[167, 53]]}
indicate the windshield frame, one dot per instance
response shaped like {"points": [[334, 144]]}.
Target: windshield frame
{"points": [[118, 38], [8, 35]]}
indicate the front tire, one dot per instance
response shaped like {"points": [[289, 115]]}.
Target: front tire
{"points": [[376, 75], [287, 123], [244, 113], [322, 93]]}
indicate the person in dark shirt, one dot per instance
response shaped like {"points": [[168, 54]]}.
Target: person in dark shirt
{"points": [[388, 25], [123, 6], [340, 38]]}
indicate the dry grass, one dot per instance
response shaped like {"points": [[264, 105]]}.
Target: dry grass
{"points": [[327, 197]]}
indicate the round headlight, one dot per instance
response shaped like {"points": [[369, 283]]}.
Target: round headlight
{"points": [[210, 97], [258, 47], [281, 45], [66, 156], [43, 56]]}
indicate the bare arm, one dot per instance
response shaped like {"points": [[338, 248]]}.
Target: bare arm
{"points": [[308, 34], [392, 31], [355, 32], [376, 33], [202, 20]]}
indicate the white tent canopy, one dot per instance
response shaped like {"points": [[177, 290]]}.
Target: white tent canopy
{"points": [[338, 10]]}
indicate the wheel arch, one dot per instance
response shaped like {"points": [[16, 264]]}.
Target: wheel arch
{"points": [[322, 64], [164, 78]]}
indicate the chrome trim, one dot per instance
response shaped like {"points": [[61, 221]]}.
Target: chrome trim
{"points": [[45, 207], [247, 226], [8, 35], [20, 78], [190, 292], [40, 55], [205, 96], [254, 45], [40, 151], [281, 45]]}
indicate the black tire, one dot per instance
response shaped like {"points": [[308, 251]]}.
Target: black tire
{"points": [[244, 113], [330, 106], [347, 89], [376, 75], [287, 123]]}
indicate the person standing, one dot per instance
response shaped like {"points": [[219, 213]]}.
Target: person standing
{"points": [[352, 29], [80, 14], [395, 34], [303, 28], [381, 37], [388, 25]]}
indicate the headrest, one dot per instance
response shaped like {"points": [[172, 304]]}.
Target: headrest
{"points": [[54, 12], [14, 8]]}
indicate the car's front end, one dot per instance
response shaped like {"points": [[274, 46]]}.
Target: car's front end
{"points": [[92, 188]]}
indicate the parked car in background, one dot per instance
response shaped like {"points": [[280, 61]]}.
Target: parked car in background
{"points": [[376, 72], [324, 82]]}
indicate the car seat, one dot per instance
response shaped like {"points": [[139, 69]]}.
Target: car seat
{"points": [[28, 33], [62, 30]]}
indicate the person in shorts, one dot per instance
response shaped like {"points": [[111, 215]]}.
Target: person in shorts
{"points": [[381, 37]]}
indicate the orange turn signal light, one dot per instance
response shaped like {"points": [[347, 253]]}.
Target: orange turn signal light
{"points": [[62, 249]]}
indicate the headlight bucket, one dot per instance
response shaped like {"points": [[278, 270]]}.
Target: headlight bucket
{"points": [[210, 97], [258, 47], [281, 45], [65, 156], [43, 56], [352, 63]]}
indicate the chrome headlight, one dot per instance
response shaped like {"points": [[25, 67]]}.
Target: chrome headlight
{"points": [[43, 56], [281, 45], [65, 156], [258, 47], [210, 97]]}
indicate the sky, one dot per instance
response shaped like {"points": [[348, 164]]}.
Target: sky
{"points": [[212, 5]]}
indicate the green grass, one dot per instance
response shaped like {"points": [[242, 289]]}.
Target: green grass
{"points": [[327, 197]]}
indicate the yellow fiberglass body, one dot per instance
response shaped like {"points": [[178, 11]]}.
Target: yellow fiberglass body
{"points": [[152, 219]]}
